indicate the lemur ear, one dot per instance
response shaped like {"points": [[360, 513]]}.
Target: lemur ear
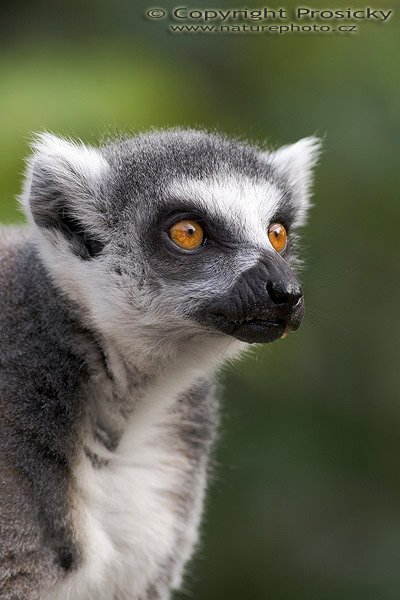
{"points": [[61, 190], [295, 163]]}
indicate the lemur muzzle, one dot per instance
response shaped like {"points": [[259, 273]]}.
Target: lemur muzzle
{"points": [[265, 302]]}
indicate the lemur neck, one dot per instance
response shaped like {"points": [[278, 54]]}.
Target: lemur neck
{"points": [[121, 394]]}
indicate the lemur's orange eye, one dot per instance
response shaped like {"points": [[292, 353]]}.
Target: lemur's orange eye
{"points": [[187, 234], [277, 236]]}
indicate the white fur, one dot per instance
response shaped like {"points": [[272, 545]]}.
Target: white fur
{"points": [[247, 204], [296, 162], [127, 509], [78, 167]]}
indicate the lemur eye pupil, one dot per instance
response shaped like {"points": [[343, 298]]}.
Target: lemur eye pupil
{"points": [[187, 235], [277, 236]]}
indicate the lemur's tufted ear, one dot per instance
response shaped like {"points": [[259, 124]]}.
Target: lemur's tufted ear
{"points": [[295, 164], [61, 190]]}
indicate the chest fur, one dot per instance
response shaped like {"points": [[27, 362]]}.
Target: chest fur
{"points": [[138, 505]]}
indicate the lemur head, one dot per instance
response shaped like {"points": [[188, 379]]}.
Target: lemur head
{"points": [[174, 236]]}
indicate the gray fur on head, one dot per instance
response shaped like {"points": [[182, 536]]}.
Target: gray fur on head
{"points": [[100, 214]]}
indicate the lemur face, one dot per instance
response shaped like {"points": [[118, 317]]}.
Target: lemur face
{"points": [[178, 233]]}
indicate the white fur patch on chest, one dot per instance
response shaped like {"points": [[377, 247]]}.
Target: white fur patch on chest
{"points": [[137, 516], [128, 513]]}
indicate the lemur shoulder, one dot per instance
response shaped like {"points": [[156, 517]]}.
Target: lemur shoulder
{"points": [[145, 265]]}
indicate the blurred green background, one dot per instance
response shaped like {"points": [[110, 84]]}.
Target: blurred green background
{"points": [[305, 499]]}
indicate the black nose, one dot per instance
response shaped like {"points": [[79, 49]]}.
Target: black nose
{"points": [[280, 292]]}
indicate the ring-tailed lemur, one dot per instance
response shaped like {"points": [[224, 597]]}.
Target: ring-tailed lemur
{"points": [[147, 263]]}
